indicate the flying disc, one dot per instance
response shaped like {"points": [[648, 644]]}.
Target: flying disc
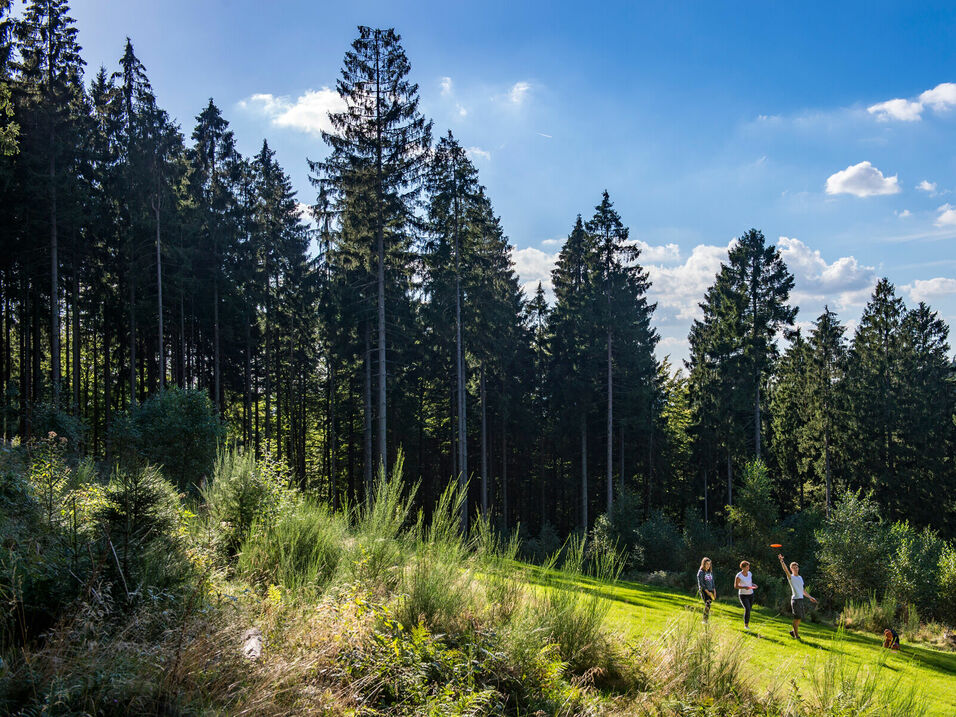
{"points": [[776, 545]]}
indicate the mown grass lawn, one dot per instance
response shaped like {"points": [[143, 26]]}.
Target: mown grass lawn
{"points": [[773, 657]]}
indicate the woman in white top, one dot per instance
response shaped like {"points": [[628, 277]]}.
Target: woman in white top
{"points": [[744, 582]]}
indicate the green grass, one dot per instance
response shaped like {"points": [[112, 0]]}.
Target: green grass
{"points": [[642, 612]]}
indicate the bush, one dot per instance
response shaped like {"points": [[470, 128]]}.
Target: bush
{"points": [[660, 542], [177, 429], [914, 568], [571, 617], [140, 518], [243, 491], [300, 551], [872, 615], [539, 548], [946, 585], [46, 419], [437, 586], [854, 543]]}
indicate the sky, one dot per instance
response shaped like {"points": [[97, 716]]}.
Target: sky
{"points": [[831, 127]]}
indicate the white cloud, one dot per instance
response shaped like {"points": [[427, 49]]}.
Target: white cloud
{"points": [[927, 186], [947, 216], [660, 254], [862, 180], [308, 113], [905, 213], [534, 266], [518, 92], [843, 283], [552, 242], [462, 112], [478, 152], [678, 289], [902, 110], [546, 136], [940, 98], [446, 86], [929, 289]]}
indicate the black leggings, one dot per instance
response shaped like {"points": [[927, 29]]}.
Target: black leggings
{"points": [[748, 602]]}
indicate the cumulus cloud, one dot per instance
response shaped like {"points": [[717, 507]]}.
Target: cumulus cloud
{"points": [[929, 290], [927, 186], [679, 288], [902, 110], [446, 86], [905, 213], [842, 283], [659, 254], [308, 113], [518, 92], [534, 266], [947, 216], [940, 98], [552, 242], [478, 152], [862, 180]]}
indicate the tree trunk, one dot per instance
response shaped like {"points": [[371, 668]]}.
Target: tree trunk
{"points": [[132, 331], [54, 279], [76, 332], [484, 447], [368, 414], [584, 472], [610, 429], [159, 298], [215, 331], [505, 518], [706, 515], [380, 237], [730, 480], [826, 454], [757, 417]]}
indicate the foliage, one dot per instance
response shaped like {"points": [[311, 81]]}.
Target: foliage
{"points": [[854, 548], [300, 549], [241, 492], [177, 430]]}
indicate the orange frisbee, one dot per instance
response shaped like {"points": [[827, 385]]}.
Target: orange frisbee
{"points": [[776, 545]]}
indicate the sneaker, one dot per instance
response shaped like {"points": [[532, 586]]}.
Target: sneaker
{"points": [[747, 628], [793, 635]]}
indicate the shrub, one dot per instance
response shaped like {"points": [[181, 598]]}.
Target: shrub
{"points": [[378, 549], [871, 615], [946, 584], [571, 617], [243, 491], [914, 566], [177, 429], [437, 585], [140, 517], [660, 542], [46, 419], [853, 543], [300, 551], [543, 545]]}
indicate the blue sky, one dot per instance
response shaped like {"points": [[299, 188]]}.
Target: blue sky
{"points": [[829, 126]]}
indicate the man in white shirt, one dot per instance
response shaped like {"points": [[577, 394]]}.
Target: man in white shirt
{"points": [[798, 593]]}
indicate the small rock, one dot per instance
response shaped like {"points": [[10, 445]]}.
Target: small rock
{"points": [[252, 643]]}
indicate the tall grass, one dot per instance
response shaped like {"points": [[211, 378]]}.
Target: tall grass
{"points": [[570, 615], [301, 551], [437, 586], [839, 687]]}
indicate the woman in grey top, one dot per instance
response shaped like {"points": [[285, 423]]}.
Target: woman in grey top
{"points": [[799, 592], [705, 585]]}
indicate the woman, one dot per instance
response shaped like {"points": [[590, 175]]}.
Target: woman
{"points": [[744, 582], [705, 585]]}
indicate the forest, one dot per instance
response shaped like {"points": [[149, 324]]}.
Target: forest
{"points": [[165, 300]]}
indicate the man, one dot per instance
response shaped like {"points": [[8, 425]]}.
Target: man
{"points": [[798, 594]]}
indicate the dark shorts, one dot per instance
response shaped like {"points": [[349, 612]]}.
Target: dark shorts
{"points": [[799, 608]]}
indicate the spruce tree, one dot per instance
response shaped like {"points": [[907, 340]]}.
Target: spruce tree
{"points": [[379, 144]]}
